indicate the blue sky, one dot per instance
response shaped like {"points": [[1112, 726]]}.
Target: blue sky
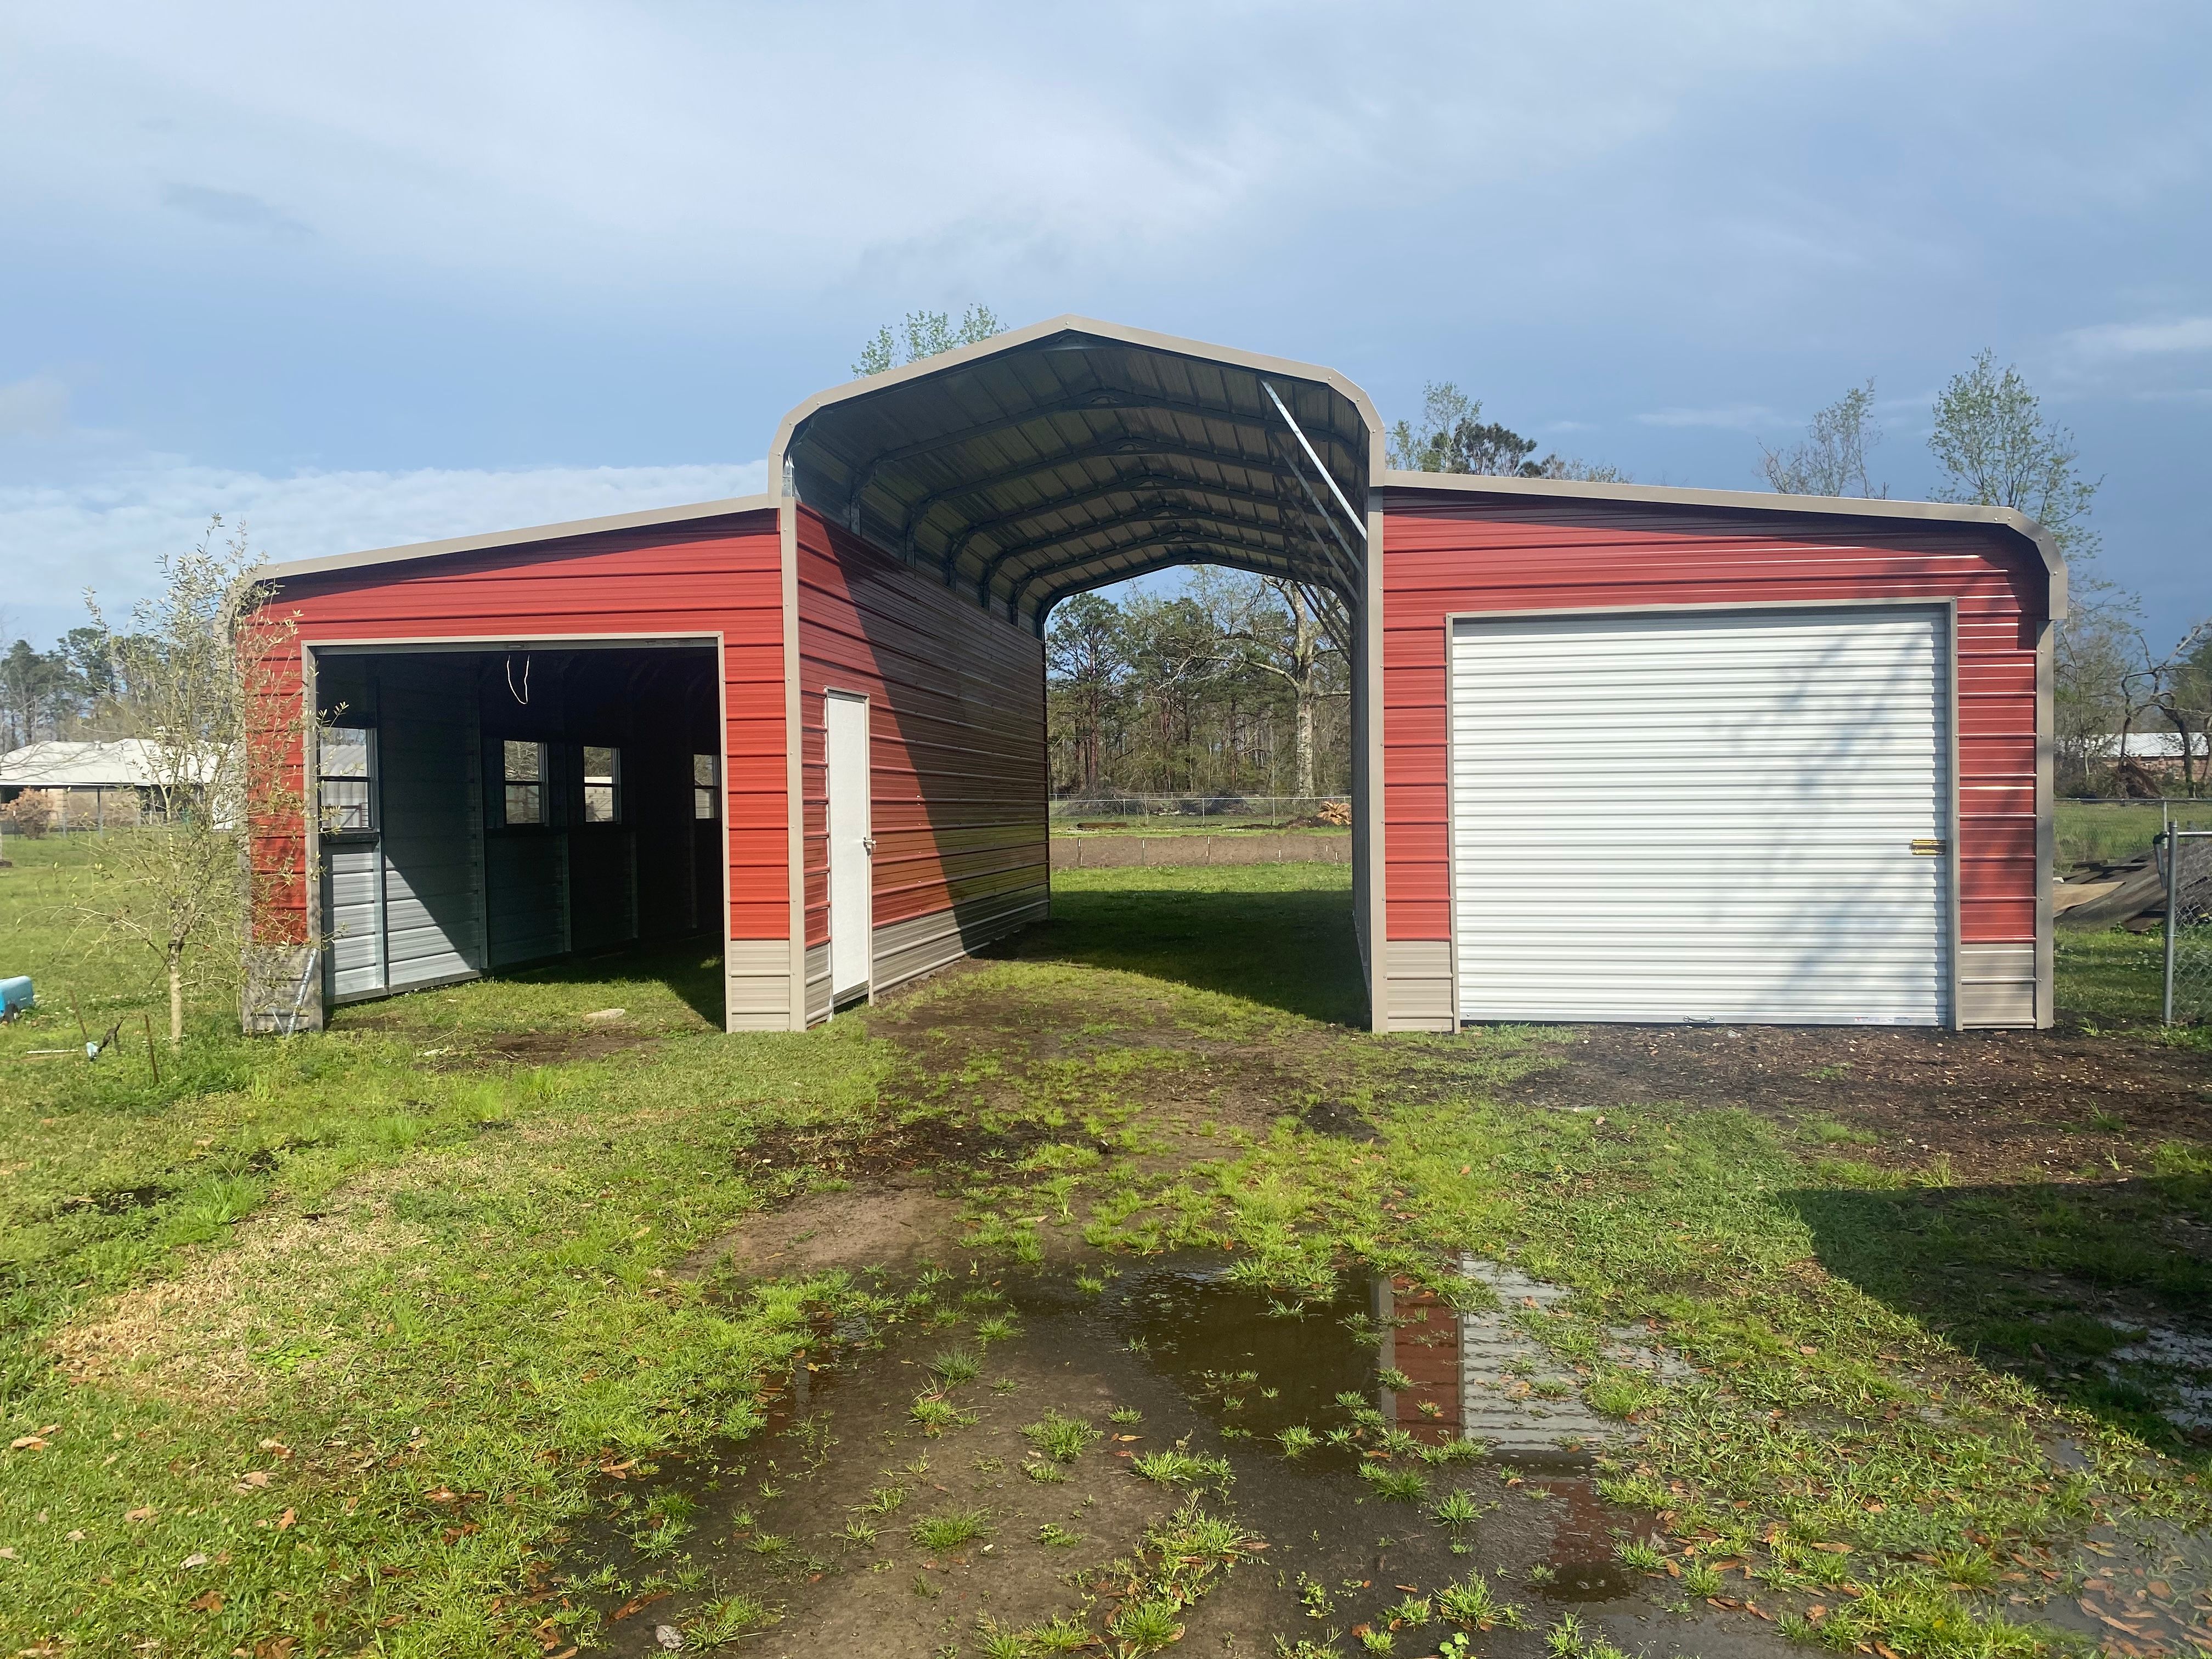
{"points": [[369, 275]]}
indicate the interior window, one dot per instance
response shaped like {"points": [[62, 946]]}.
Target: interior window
{"points": [[602, 780], [703, 792], [522, 770], [343, 778]]}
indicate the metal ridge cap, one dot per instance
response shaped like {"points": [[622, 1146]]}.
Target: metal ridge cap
{"points": [[1759, 501], [491, 540]]}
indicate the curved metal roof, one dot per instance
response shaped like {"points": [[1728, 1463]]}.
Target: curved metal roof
{"points": [[1062, 457]]}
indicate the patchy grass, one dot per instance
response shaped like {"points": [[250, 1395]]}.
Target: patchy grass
{"points": [[359, 1325]]}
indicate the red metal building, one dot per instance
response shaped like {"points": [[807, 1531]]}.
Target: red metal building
{"points": [[1641, 754]]}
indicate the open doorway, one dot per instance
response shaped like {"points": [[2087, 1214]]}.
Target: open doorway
{"points": [[482, 809], [1199, 737]]}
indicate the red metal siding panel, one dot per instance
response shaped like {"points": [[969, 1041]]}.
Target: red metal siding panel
{"points": [[707, 576], [956, 702], [1446, 556]]}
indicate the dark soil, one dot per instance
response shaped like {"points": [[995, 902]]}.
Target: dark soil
{"points": [[1193, 1361], [1996, 1102]]}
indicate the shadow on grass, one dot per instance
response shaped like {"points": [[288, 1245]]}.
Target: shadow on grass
{"points": [[690, 968], [1288, 949], [2098, 1293]]}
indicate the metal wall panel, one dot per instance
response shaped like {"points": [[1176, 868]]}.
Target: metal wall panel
{"points": [[430, 812], [602, 886], [955, 703], [527, 883], [353, 918], [757, 985], [1449, 552], [717, 576], [1740, 816], [1996, 985]]}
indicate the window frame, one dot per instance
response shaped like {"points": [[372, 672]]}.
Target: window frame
{"points": [[708, 793], [367, 778], [612, 783], [542, 783]]}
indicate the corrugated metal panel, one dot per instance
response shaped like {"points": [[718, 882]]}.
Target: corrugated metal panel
{"points": [[1074, 457], [705, 576], [907, 950], [955, 736], [1447, 553], [602, 886], [1418, 975], [1711, 815], [353, 918], [429, 808], [1996, 985], [756, 981], [527, 879]]}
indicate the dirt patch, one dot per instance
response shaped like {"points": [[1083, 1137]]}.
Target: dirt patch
{"points": [[826, 1518], [872, 1226], [1031, 1064], [1993, 1102]]}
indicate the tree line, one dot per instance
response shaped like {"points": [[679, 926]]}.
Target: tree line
{"points": [[2118, 678], [73, 690]]}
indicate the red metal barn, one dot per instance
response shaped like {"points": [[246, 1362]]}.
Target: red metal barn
{"points": [[1619, 753]]}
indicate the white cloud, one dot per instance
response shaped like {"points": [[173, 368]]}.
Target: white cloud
{"points": [[1734, 417], [2109, 340], [105, 531], [35, 408], [787, 148], [235, 208]]}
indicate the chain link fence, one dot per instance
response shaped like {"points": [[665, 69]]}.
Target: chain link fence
{"points": [[2187, 857], [1195, 810]]}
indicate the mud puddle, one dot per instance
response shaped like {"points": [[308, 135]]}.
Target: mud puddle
{"points": [[1019, 1464]]}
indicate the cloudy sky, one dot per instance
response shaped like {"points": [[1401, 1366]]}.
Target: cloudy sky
{"points": [[360, 276]]}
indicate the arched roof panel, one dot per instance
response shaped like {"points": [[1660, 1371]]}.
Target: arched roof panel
{"points": [[1055, 458]]}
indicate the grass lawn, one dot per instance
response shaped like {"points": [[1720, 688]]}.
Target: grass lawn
{"points": [[351, 1342]]}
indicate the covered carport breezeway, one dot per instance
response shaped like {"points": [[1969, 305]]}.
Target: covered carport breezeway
{"points": [[876, 623]]}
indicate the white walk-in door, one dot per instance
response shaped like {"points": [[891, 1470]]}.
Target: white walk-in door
{"points": [[1715, 815], [850, 846]]}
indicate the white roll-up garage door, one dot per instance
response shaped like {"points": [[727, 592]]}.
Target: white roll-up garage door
{"points": [[1711, 815]]}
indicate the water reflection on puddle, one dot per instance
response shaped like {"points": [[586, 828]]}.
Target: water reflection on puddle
{"points": [[1339, 1423]]}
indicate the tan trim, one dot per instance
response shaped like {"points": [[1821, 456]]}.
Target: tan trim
{"points": [[311, 808], [1377, 945], [496, 539], [1957, 906], [2046, 823], [794, 754], [456, 643], [1754, 500], [722, 829]]}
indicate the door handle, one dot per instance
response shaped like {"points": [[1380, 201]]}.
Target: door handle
{"points": [[867, 844]]}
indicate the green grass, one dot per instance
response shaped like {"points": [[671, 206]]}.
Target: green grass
{"points": [[949, 1530], [1062, 1439], [427, 1293], [2113, 981], [1182, 1468]]}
